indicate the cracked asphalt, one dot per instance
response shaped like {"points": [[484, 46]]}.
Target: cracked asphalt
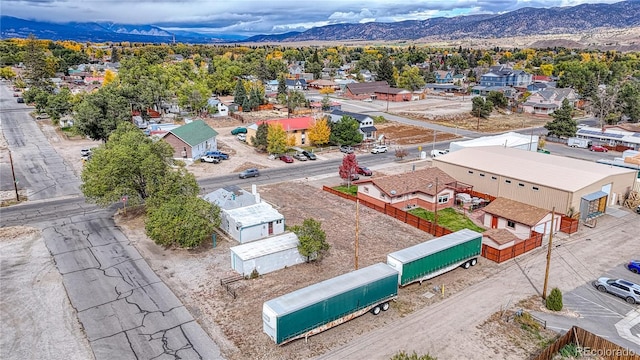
{"points": [[125, 310]]}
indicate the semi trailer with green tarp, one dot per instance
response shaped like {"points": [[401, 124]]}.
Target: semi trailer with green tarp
{"points": [[434, 257], [329, 303]]}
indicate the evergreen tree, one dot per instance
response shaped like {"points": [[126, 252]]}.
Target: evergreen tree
{"points": [[554, 300], [240, 95], [563, 124], [313, 244], [282, 85], [385, 71]]}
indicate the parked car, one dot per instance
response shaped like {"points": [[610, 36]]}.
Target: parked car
{"points": [[379, 149], [219, 154], [309, 155], [42, 116], [634, 266], [16, 95], [355, 177], [239, 130], [252, 172], [436, 152], [85, 152], [598, 148], [210, 159], [300, 156], [346, 149], [242, 137], [286, 158], [363, 170], [20, 100], [627, 290]]}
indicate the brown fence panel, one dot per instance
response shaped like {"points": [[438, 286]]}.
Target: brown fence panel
{"points": [[590, 344], [568, 225]]}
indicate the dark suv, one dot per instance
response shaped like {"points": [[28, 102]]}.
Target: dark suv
{"points": [[253, 172]]}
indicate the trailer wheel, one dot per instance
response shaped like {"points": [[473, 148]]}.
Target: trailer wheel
{"points": [[466, 265], [474, 262], [385, 306], [376, 310]]}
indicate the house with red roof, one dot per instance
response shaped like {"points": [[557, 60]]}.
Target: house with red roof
{"points": [[295, 127]]}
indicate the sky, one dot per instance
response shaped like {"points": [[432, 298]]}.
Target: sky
{"points": [[251, 17]]}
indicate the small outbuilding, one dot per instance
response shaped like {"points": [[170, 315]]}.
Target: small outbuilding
{"points": [[267, 255], [251, 223]]}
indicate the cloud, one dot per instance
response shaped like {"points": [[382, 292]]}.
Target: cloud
{"points": [[250, 17]]}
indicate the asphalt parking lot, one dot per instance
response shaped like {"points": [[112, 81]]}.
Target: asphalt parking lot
{"points": [[603, 314]]}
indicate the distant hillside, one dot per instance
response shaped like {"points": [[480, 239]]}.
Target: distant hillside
{"points": [[102, 32], [522, 22]]}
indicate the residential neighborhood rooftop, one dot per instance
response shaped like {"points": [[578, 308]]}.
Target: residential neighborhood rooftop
{"points": [[194, 132], [516, 211], [423, 180]]}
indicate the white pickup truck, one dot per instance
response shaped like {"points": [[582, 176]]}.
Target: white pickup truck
{"points": [[437, 152]]}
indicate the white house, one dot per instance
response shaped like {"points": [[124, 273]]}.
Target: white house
{"points": [[267, 255], [252, 222], [232, 197]]}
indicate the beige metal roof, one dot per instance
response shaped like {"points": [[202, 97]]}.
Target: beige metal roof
{"points": [[552, 171]]}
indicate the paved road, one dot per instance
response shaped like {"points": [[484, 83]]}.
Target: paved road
{"points": [[126, 311], [38, 167]]}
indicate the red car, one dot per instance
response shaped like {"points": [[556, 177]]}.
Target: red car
{"points": [[363, 170], [286, 158], [598, 148]]}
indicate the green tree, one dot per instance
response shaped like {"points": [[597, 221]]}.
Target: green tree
{"points": [[128, 164], [39, 68], [411, 79], [313, 244], [385, 71], [346, 132], [100, 113], [184, 221], [414, 356], [260, 141], [629, 98], [59, 104], [276, 139], [240, 95], [282, 85], [563, 124], [554, 300], [480, 107], [497, 98]]}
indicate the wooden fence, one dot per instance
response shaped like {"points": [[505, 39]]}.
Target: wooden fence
{"points": [[405, 217], [568, 225], [587, 344], [501, 255]]}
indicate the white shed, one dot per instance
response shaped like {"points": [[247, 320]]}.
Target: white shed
{"points": [[266, 255], [252, 222], [510, 139]]}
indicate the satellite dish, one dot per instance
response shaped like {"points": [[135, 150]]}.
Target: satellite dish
{"points": [[393, 192]]}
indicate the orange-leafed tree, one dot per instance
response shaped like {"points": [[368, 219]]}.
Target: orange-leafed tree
{"points": [[327, 90], [320, 132]]}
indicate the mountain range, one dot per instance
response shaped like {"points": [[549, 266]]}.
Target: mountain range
{"points": [[521, 22]]}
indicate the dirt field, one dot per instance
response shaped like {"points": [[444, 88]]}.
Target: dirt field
{"points": [[195, 275]]}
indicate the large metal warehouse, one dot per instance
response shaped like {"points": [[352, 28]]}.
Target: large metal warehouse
{"points": [[542, 180], [510, 139]]}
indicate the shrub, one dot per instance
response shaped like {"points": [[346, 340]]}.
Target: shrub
{"points": [[414, 356], [554, 300]]}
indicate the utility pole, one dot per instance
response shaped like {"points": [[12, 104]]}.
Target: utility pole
{"points": [[435, 212], [546, 273], [357, 221], [13, 174]]}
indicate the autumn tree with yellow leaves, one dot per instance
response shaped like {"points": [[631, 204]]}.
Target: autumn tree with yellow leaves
{"points": [[320, 132]]}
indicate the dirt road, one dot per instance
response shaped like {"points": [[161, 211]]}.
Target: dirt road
{"points": [[449, 329]]}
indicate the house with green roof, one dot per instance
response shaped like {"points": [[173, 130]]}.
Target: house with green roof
{"points": [[192, 140]]}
